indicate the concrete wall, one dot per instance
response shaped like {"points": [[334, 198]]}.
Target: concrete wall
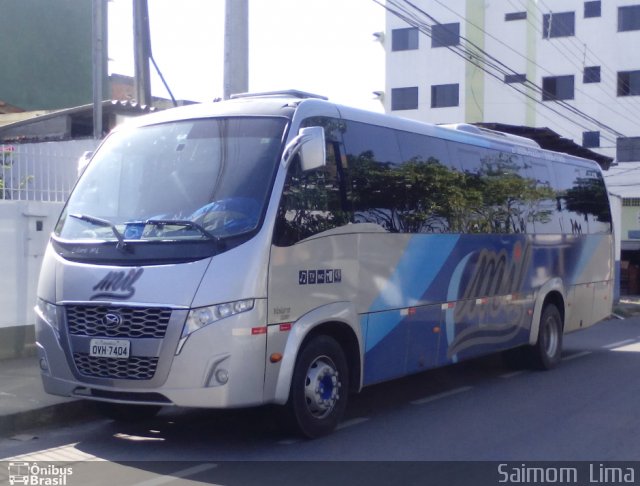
{"points": [[36, 180], [24, 231]]}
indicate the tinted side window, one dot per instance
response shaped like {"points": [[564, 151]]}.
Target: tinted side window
{"points": [[585, 202], [434, 187], [317, 200], [506, 198], [547, 219], [571, 200], [374, 164]]}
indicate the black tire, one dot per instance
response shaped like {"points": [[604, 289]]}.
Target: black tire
{"points": [[547, 351], [122, 412], [319, 389]]}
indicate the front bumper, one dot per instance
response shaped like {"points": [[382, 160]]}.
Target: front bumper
{"points": [[220, 365]]}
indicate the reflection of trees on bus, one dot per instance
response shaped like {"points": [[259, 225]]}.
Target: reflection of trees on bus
{"points": [[415, 197], [588, 196], [427, 196], [410, 183]]}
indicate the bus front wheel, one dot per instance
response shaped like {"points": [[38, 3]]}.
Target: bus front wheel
{"points": [[547, 351], [319, 388]]}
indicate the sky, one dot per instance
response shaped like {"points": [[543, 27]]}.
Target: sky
{"points": [[321, 46]]}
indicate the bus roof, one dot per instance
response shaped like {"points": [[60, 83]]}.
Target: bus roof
{"points": [[285, 103]]}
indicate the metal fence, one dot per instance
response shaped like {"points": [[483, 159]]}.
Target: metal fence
{"points": [[40, 171]]}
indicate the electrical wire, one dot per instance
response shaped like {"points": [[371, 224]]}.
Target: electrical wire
{"points": [[484, 61], [609, 107], [563, 49], [485, 55]]}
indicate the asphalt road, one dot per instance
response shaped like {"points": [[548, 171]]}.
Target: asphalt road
{"points": [[585, 410]]}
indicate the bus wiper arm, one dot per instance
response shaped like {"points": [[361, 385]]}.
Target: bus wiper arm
{"points": [[103, 222], [186, 223]]}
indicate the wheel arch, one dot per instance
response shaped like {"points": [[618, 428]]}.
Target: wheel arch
{"points": [[552, 292], [340, 322]]}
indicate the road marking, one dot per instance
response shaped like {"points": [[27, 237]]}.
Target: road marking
{"points": [[512, 374], [171, 477], [619, 343], [351, 422], [288, 441], [65, 453], [634, 346], [576, 356], [433, 398]]}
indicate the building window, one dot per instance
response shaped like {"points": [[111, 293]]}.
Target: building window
{"points": [[404, 98], [628, 149], [557, 88], [631, 202], [592, 9], [629, 18], [590, 139], [443, 35], [629, 83], [404, 39], [515, 16], [591, 74], [444, 95], [559, 24], [515, 78]]}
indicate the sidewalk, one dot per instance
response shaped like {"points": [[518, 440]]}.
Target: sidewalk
{"points": [[25, 405]]}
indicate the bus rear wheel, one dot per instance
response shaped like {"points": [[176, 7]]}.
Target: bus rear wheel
{"points": [[319, 388], [547, 351]]}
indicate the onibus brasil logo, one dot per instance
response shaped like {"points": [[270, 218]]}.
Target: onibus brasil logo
{"points": [[34, 475]]}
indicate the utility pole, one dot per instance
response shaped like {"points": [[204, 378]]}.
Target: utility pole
{"points": [[142, 51], [99, 62], [236, 47]]}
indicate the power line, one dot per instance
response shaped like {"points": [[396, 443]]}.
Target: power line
{"points": [[572, 40], [473, 58], [606, 106], [484, 61], [528, 81]]}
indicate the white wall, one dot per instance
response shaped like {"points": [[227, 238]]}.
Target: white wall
{"points": [[38, 178], [22, 246]]}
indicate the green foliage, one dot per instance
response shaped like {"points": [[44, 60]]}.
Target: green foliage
{"points": [[427, 196], [588, 196]]}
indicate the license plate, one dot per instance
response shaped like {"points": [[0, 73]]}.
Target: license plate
{"points": [[109, 348]]}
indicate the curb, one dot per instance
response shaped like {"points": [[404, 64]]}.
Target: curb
{"points": [[58, 414]]}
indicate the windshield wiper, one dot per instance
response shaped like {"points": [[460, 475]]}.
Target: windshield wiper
{"points": [[182, 222], [103, 222]]}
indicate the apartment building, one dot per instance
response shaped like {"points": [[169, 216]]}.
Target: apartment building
{"points": [[570, 65]]}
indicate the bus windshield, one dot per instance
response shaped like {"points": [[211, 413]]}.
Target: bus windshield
{"points": [[185, 180]]}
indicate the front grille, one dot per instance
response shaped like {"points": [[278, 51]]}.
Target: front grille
{"points": [[133, 368], [135, 322]]}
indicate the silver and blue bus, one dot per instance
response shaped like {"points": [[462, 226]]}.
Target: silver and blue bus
{"points": [[280, 249]]}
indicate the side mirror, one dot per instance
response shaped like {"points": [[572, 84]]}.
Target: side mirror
{"points": [[310, 144]]}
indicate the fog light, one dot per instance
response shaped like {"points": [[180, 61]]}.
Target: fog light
{"points": [[222, 376], [44, 366]]}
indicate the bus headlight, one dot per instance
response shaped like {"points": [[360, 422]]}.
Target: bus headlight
{"points": [[49, 314], [203, 316]]}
